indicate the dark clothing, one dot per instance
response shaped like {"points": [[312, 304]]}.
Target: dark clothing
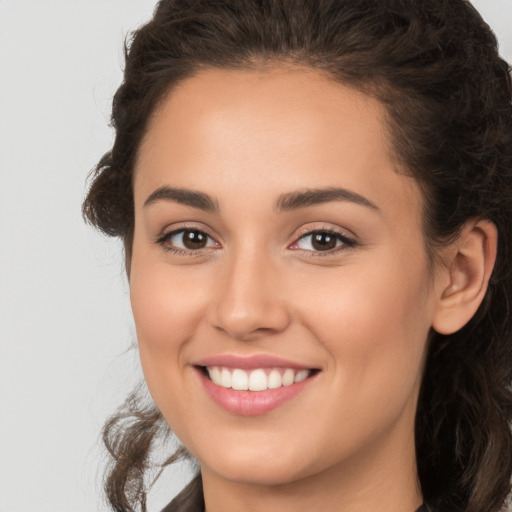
{"points": [[190, 499]]}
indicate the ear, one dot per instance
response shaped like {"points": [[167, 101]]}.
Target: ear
{"points": [[465, 276]]}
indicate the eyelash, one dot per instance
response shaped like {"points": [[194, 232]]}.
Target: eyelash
{"points": [[346, 242]]}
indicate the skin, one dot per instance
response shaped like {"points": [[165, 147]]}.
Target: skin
{"points": [[360, 313]]}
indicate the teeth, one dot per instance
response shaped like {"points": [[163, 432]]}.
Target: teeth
{"points": [[258, 380], [303, 374], [239, 380], [274, 380], [255, 380], [288, 377], [215, 374], [225, 378]]}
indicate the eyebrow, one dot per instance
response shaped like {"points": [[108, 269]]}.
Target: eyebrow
{"points": [[311, 197], [183, 196], [286, 202]]}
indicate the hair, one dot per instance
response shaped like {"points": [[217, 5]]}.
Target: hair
{"points": [[435, 66]]}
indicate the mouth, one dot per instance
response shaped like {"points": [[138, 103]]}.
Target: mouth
{"points": [[253, 386], [256, 379]]}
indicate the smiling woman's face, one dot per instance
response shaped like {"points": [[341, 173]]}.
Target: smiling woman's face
{"points": [[276, 242]]}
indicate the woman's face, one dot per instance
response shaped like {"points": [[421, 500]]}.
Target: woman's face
{"points": [[276, 246]]}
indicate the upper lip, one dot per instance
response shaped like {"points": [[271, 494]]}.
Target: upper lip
{"points": [[250, 362]]}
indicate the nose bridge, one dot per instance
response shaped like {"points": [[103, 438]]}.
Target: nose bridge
{"points": [[249, 302]]}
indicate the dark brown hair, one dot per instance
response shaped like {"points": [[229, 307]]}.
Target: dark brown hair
{"points": [[434, 64]]}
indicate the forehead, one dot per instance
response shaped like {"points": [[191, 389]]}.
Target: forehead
{"points": [[287, 128], [288, 106]]}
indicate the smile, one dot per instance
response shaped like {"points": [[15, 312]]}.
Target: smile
{"points": [[259, 379], [253, 386]]}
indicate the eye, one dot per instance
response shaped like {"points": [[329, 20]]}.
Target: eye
{"points": [[187, 240], [322, 241]]}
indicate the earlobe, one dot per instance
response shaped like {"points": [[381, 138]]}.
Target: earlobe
{"points": [[466, 276]]}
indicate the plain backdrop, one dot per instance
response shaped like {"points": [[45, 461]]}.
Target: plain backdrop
{"points": [[66, 333]]}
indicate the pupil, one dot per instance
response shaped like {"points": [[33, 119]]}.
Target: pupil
{"points": [[324, 241], [194, 239]]}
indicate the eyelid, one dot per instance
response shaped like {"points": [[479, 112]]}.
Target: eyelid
{"points": [[311, 227]]}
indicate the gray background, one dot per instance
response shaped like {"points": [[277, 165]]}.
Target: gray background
{"points": [[65, 320]]}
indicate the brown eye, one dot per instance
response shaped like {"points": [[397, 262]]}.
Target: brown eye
{"points": [[323, 241], [187, 240], [193, 239]]}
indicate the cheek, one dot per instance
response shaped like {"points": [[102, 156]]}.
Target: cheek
{"points": [[166, 305], [374, 329], [166, 308], [374, 324]]}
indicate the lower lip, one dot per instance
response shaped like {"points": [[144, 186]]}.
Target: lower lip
{"points": [[251, 403]]}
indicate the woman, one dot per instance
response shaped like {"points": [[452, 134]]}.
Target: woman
{"points": [[315, 201]]}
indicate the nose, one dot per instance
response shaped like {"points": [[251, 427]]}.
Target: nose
{"points": [[250, 302]]}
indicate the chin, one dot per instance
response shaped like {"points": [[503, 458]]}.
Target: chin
{"points": [[259, 465], [259, 473]]}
